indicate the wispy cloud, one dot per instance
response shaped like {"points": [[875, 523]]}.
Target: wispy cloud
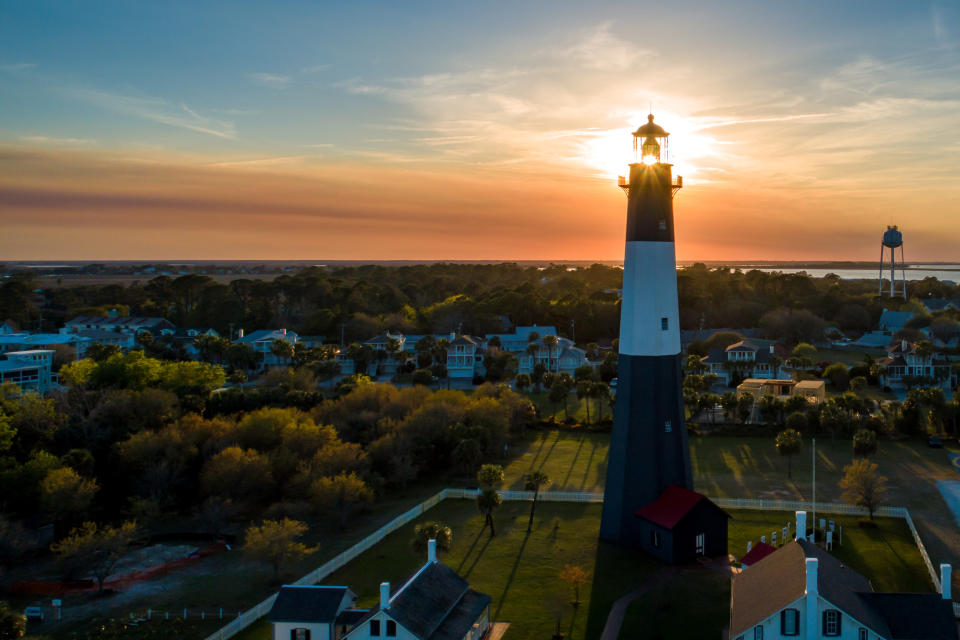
{"points": [[17, 66], [317, 68], [157, 110], [57, 141], [600, 49], [270, 80]]}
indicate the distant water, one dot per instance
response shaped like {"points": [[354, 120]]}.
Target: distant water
{"points": [[944, 272]]}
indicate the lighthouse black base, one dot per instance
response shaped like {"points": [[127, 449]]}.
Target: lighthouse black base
{"points": [[648, 450]]}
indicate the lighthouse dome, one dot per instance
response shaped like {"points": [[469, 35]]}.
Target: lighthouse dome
{"points": [[650, 129]]}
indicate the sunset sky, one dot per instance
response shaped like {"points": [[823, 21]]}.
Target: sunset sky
{"points": [[481, 130]]}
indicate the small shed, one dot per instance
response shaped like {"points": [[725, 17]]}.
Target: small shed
{"points": [[681, 526], [756, 554]]}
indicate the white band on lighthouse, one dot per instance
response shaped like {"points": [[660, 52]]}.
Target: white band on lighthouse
{"points": [[649, 316]]}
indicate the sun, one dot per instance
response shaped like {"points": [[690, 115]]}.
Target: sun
{"points": [[609, 152]]}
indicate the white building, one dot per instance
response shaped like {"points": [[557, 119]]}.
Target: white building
{"points": [[261, 341], [28, 370], [434, 604], [745, 358], [801, 591], [30, 341], [905, 361]]}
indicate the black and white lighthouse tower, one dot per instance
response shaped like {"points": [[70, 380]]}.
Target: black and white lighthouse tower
{"points": [[648, 450]]}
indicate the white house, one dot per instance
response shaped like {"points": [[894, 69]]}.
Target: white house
{"points": [[464, 357], [904, 361], [28, 370], [304, 612], [31, 341], [262, 340], [434, 604], [801, 591], [745, 357]]}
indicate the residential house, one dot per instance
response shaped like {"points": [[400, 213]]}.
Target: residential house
{"points": [[31, 341], [745, 358], [905, 361], [261, 342], [433, 604], [801, 591], [28, 370], [681, 526], [127, 324], [873, 340], [184, 338], [8, 327], [815, 391], [308, 612], [464, 357], [893, 321], [939, 304]]}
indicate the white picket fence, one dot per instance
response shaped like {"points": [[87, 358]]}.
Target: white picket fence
{"points": [[250, 616]]}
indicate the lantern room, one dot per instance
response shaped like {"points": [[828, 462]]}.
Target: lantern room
{"points": [[652, 142]]}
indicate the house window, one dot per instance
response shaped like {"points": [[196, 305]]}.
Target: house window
{"points": [[831, 622], [863, 634], [758, 633], [299, 634], [655, 539], [391, 629], [375, 628], [663, 224], [664, 323], [790, 622]]}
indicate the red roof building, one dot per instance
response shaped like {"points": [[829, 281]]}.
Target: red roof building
{"points": [[681, 526], [756, 554]]}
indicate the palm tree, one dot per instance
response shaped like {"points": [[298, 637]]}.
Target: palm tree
{"points": [[532, 350], [282, 349], [551, 342], [534, 481]]}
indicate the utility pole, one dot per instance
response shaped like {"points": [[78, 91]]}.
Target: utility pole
{"points": [[814, 491]]}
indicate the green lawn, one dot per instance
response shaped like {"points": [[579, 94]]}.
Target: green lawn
{"points": [[574, 461], [520, 571], [576, 408]]}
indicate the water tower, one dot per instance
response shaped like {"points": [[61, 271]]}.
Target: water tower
{"points": [[893, 239]]}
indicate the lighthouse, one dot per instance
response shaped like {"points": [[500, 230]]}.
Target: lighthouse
{"points": [[648, 449]]}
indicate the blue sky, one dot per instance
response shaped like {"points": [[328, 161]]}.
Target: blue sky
{"points": [[838, 115]]}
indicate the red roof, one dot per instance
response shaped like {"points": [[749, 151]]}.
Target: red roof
{"points": [[670, 508], [757, 553]]}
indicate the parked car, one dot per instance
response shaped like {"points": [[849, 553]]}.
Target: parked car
{"points": [[934, 442]]}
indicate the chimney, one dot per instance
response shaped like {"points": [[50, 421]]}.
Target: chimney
{"points": [[240, 332], [283, 331], [384, 595], [453, 336], [432, 551], [945, 577], [801, 525], [771, 349], [904, 346], [813, 614]]}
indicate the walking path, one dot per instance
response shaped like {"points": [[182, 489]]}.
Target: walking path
{"points": [[611, 631]]}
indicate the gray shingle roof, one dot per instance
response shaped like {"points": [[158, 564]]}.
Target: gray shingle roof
{"points": [[460, 620], [298, 603], [915, 616], [422, 604]]}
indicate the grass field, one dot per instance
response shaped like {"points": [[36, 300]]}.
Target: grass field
{"points": [[576, 461], [519, 570]]}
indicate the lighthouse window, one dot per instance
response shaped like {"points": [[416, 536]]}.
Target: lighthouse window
{"points": [[663, 225], [668, 426], [664, 323]]}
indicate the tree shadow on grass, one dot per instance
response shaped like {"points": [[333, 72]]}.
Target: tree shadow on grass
{"points": [[480, 553], [513, 573], [473, 545], [601, 470], [573, 463]]}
